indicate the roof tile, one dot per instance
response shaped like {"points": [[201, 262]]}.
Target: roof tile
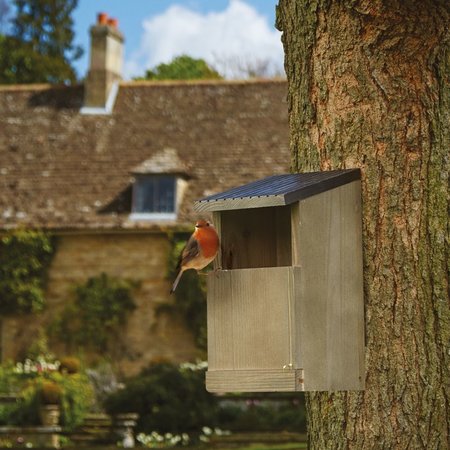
{"points": [[64, 170]]}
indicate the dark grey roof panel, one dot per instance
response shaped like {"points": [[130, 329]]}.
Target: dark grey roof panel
{"points": [[277, 190]]}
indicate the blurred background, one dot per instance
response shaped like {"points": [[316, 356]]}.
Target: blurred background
{"points": [[115, 117]]}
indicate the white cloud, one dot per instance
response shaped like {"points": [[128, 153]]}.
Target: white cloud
{"points": [[232, 40]]}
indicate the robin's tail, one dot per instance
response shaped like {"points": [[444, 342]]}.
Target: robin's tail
{"points": [[175, 283]]}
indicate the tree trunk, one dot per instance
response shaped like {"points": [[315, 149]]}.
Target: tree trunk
{"points": [[369, 88]]}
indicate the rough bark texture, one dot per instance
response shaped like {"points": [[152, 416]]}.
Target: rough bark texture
{"points": [[369, 88]]}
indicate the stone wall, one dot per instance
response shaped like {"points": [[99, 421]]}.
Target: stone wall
{"points": [[140, 256]]}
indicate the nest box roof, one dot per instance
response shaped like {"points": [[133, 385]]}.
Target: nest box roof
{"points": [[277, 190]]}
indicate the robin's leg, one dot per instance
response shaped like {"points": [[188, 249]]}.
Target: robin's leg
{"points": [[215, 271], [216, 268]]}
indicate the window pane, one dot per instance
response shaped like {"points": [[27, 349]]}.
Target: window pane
{"points": [[154, 194], [166, 194]]}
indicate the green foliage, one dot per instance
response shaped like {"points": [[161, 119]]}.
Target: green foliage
{"points": [[8, 379], [38, 383], [172, 399], [167, 399], [190, 295], [183, 68], [77, 397], [20, 63], [40, 48], [101, 306], [289, 446], [24, 259], [264, 413]]}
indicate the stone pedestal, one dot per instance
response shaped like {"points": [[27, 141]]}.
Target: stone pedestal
{"points": [[49, 415], [124, 425]]}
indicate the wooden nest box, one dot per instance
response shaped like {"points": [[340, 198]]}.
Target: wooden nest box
{"points": [[286, 312]]}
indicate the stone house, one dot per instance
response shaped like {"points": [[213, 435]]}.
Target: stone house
{"points": [[112, 168]]}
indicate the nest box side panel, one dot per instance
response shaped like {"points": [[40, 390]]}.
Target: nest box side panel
{"points": [[331, 305]]}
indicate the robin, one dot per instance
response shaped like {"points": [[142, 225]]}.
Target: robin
{"points": [[200, 250]]}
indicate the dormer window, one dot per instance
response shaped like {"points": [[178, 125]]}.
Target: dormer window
{"points": [[159, 183], [154, 196]]}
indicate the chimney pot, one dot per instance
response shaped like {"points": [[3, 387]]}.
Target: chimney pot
{"points": [[113, 22], [102, 18]]}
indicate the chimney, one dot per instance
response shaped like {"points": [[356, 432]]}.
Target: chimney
{"points": [[105, 66]]}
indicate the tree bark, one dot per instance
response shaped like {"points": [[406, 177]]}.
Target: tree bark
{"points": [[369, 88]]}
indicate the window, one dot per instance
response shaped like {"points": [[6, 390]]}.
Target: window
{"points": [[154, 197]]}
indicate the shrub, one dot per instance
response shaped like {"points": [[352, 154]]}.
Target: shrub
{"points": [[8, 378], [39, 382], [167, 399], [266, 412], [101, 306], [190, 295], [24, 259], [103, 380], [172, 399], [77, 399]]}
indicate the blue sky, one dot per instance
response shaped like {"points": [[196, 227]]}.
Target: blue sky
{"points": [[229, 34]]}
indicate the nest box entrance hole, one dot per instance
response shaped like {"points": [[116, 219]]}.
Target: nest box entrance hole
{"points": [[256, 237]]}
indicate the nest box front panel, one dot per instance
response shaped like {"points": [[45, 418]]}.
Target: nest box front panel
{"points": [[249, 319], [251, 339]]}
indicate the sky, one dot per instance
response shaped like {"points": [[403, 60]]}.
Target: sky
{"points": [[231, 35]]}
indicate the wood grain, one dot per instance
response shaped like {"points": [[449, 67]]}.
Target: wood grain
{"points": [[250, 318], [256, 238], [217, 223], [266, 380], [331, 305]]}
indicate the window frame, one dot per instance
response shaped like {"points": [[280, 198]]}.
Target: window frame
{"points": [[142, 215]]}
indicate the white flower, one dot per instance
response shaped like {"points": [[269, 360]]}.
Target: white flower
{"points": [[207, 431], [199, 365], [220, 432]]}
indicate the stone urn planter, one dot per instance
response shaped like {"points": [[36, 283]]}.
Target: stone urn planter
{"points": [[49, 410], [49, 415]]}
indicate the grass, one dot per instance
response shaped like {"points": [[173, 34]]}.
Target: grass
{"points": [[256, 446], [260, 441], [293, 446]]}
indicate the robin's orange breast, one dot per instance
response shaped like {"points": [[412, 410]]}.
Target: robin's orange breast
{"points": [[208, 241]]}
